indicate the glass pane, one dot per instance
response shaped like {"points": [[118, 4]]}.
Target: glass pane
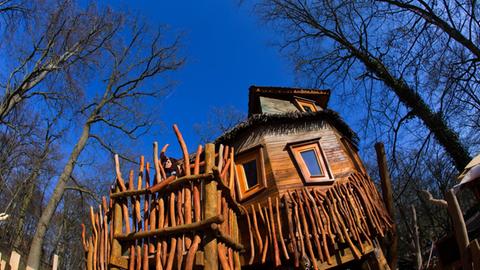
{"points": [[310, 159], [250, 169], [307, 108]]}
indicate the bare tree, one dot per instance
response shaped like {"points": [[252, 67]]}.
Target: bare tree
{"points": [[135, 60], [56, 39], [11, 10], [218, 121], [30, 184], [391, 55]]}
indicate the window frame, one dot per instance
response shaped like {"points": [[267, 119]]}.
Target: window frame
{"points": [[255, 153], [300, 102], [297, 148]]}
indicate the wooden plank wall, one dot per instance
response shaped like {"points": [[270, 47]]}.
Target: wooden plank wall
{"points": [[284, 171], [246, 142], [280, 169]]}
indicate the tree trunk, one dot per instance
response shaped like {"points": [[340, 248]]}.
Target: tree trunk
{"points": [[35, 252]]}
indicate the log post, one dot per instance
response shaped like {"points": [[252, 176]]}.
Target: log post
{"points": [[14, 260], [416, 239], [459, 228], [210, 209], [55, 262], [116, 250], [387, 194]]}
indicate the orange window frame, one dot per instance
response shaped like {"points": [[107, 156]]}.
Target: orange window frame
{"points": [[297, 148], [301, 103], [244, 191]]}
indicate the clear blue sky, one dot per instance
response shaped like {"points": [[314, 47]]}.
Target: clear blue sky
{"points": [[227, 50]]}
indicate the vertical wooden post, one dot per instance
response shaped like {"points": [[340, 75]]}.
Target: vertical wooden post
{"points": [[210, 209], [14, 260], [55, 262], [3, 263], [474, 247], [387, 194], [459, 227], [380, 260], [116, 250], [418, 251]]}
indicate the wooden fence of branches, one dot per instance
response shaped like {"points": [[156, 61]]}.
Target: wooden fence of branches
{"points": [[182, 219]]}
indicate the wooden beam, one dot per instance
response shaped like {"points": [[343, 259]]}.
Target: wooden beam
{"points": [[173, 186], [116, 249], [201, 225], [387, 194], [118, 263], [14, 260], [459, 227], [342, 256], [475, 253], [55, 262], [232, 203], [210, 209], [226, 239], [416, 238]]}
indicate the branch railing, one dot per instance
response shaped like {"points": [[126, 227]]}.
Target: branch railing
{"points": [[176, 220]]}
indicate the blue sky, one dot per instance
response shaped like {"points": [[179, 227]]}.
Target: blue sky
{"points": [[227, 50]]}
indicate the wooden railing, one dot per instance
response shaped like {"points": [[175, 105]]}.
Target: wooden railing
{"points": [[186, 221], [316, 226]]}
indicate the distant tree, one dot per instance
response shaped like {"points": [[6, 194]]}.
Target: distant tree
{"points": [[219, 120]]}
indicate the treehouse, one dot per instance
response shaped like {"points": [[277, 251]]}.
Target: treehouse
{"points": [[285, 189]]}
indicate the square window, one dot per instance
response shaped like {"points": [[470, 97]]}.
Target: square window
{"points": [[310, 161], [250, 172], [305, 105]]}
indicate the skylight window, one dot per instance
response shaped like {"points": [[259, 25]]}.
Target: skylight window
{"points": [[311, 161]]}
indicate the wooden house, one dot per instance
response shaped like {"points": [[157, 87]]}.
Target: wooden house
{"points": [[284, 189], [292, 142]]}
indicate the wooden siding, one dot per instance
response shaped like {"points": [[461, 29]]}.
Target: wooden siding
{"points": [[285, 172], [281, 172], [244, 144]]}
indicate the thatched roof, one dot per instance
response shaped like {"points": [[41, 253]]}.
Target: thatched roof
{"points": [[295, 118]]}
